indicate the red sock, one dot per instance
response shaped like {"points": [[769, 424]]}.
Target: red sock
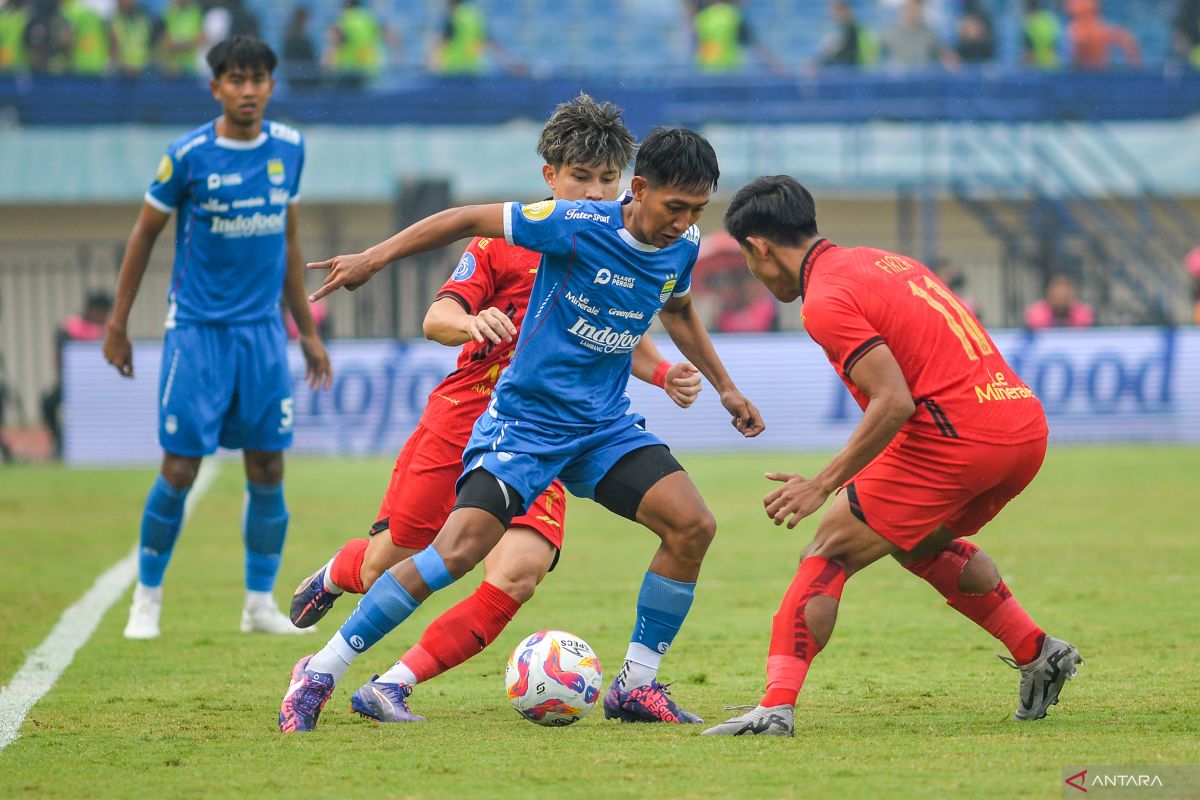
{"points": [[996, 611], [346, 570], [793, 646], [461, 632]]}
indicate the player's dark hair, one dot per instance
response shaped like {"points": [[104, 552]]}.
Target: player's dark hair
{"points": [[775, 207], [586, 133], [241, 52], [677, 157]]}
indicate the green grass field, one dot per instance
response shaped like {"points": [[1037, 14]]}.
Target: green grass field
{"points": [[908, 699]]}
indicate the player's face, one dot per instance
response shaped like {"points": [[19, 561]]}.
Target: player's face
{"points": [[768, 265], [243, 92], [664, 213], [580, 182]]}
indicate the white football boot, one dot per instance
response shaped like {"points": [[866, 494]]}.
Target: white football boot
{"points": [[260, 614], [144, 613]]}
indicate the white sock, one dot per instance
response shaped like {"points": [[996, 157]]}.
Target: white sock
{"points": [[260, 600], [398, 673], [145, 593], [330, 586], [640, 668], [335, 658]]}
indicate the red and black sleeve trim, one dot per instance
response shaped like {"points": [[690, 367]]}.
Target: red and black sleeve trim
{"points": [[940, 419], [462, 301], [857, 353]]}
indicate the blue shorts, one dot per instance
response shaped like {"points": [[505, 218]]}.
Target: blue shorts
{"points": [[528, 456], [227, 385]]}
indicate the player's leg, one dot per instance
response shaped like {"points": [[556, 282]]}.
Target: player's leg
{"points": [[648, 485], [194, 391], [162, 519], [259, 422], [485, 507], [843, 545], [418, 499], [512, 571], [971, 583]]}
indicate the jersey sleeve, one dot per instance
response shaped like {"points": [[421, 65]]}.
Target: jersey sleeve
{"points": [[299, 171], [837, 323], [683, 284], [167, 190], [544, 226], [473, 281]]}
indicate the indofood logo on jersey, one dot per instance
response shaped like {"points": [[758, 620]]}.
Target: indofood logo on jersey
{"points": [[275, 172], [604, 340], [536, 212], [257, 224]]}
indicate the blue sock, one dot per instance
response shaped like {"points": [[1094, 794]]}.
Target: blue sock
{"points": [[662, 606], [161, 521], [264, 527]]}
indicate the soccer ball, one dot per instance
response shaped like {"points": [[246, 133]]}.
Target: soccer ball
{"points": [[553, 678]]}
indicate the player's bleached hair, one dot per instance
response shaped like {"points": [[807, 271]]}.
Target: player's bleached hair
{"points": [[677, 157], [775, 207], [586, 133], [241, 52]]}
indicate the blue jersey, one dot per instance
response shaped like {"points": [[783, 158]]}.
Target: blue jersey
{"points": [[230, 236], [596, 292]]}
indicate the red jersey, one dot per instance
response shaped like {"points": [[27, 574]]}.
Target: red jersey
{"points": [[491, 273], [857, 298]]}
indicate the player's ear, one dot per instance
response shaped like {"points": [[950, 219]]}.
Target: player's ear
{"points": [[549, 175], [759, 246], [212, 87], [637, 187]]}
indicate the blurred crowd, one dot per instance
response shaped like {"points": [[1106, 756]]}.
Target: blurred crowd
{"points": [[170, 37]]}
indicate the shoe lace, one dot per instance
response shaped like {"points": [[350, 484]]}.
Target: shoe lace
{"points": [[1012, 662], [312, 697]]}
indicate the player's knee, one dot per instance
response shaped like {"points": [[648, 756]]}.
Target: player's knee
{"points": [[180, 472], [693, 533], [836, 548], [518, 579], [979, 575], [264, 468]]}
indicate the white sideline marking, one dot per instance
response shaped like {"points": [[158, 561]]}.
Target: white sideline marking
{"points": [[45, 664]]}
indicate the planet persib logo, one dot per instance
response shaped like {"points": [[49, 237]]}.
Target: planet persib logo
{"points": [[275, 172], [465, 268]]}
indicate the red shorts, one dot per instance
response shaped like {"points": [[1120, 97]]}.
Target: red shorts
{"points": [[421, 494], [921, 482]]}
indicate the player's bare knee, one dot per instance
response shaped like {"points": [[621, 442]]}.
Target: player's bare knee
{"points": [[518, 580], [180, 471], [979, 575], [264, 467], [691, 536]]}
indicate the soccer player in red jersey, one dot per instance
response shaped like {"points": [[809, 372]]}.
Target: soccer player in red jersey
{"points": [[481, 306], [949, 435]]}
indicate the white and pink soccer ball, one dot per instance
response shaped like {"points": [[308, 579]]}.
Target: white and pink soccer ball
{"points": [[553, 678]]}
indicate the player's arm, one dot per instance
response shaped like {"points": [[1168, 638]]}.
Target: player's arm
{"points": [[149, 224], [447, 322], [683, 325], [317, 369], [681, 380], [879, 377], [438, 230]]}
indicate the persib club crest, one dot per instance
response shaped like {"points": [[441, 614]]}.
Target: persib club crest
{"points": [[667, 288], [275, 171], [166, 168], [536, 212]]}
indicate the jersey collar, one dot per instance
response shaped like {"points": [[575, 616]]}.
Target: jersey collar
{"points": [[239, 144], [814, 252]]}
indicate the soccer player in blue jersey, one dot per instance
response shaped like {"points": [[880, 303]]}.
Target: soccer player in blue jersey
{"points": [[560, 409], [234, 182]]}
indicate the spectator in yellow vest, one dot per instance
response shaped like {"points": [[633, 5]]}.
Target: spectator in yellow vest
{"points": [[132, 34], [464, 42], [48, 39], [182, 35], [355, 44], [1041, 34], [14, 21], [89, 53], [722, 37]]}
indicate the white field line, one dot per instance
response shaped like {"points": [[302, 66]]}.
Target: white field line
{"points": [[45, 664]]}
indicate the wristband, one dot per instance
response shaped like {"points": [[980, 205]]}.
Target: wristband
{"points": [[660, 373]]}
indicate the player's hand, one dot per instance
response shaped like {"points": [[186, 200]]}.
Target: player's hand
{"points": [[798, 497], [118, 351], [317, 369], [350, 271], [491, 325], [682, 383], [745, 416]]}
